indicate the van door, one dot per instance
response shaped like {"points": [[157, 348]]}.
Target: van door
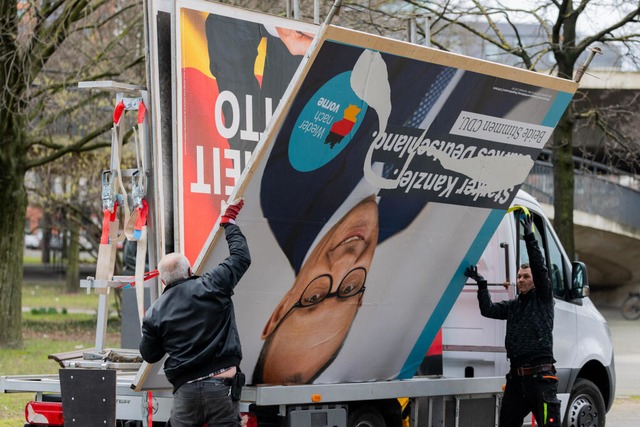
{"points": [[474, 345]]}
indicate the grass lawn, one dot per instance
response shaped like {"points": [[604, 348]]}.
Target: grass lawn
{"points": [[46, 330], [37, 295]]}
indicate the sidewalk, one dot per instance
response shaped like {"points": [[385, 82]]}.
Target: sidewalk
{"points": [[625, 335], [626, 354]]}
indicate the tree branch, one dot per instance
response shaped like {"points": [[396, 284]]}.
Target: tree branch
{"points": [[76, 147]]}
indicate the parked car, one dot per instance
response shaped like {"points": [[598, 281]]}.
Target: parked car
{"points": [[31, 241]]}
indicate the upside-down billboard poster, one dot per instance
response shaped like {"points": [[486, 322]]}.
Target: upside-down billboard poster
{"points": [[382, 175], [385, 175], [233, 68]]}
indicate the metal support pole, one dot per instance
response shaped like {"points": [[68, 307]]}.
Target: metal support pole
{"points": [[414, 419], [583, 68], [427, 31], [102, 321], [333, 12], [412, 29], [296, 9], [293, 9]]}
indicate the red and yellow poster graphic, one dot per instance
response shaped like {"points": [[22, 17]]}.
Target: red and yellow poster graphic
{"points": [[233, 71]]}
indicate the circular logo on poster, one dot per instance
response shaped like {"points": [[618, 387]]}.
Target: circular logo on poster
{"points": [[326, 124]]}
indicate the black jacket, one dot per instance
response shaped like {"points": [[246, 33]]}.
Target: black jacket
{"points": [[529, 338], [193, 320]]}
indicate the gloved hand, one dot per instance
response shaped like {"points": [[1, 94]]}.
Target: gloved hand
{"points": [[231, 212], [472, 273], [527, 223]]}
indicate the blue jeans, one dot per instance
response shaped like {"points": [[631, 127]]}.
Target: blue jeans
{"points": [[204, 402]]}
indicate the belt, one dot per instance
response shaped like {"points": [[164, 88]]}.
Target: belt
{"points": [[212, 375], [221, 380], [524, 371], [218, 380]]}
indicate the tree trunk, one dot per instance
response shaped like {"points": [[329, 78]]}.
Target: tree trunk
{"points": [[46, 235], [13, 194], [73, 256], [563, 181], [563, 168], [12, 214]]}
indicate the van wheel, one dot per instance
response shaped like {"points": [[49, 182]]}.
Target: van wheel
{"points": [[366, 416], [586, 405]]}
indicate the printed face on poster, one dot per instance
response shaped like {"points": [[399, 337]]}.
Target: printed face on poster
{"points": [[233, 68], [383, 178]]}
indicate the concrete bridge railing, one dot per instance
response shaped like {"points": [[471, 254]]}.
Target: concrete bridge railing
{"points": [[607, 195]]}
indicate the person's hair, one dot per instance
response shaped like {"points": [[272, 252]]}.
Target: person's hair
{"points": [[173, 267], [525, 265]]}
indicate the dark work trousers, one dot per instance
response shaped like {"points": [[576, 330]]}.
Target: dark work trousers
{"points": [[206, 402], [531, 393]]}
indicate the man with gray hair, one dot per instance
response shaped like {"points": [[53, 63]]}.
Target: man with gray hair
{"points": [[193, 322]]}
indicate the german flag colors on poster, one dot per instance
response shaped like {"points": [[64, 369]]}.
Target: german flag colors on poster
{"points": [[233, 68], [383, 174]]}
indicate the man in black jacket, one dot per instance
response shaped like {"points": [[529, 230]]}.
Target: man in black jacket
{"points": [[531, 381], [193, 322]]}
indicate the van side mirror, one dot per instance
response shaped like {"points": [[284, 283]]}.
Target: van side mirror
{"points": [[579, 280]]}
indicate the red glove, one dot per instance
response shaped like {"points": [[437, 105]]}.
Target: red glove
{"points": [[231, 212]]}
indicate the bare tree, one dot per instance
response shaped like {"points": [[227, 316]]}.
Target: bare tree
{"points": [[606, 128], [559, 47], [46, 48], [69, 191]]}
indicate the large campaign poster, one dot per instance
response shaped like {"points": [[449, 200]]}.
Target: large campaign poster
{"points": [[383, 178], [233, 67]]}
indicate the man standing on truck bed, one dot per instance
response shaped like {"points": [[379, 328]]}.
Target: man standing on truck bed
{"points": [[194, 323], [531, 382]]}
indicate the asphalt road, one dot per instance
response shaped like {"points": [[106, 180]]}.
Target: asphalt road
{"points": [[625, 411]]}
